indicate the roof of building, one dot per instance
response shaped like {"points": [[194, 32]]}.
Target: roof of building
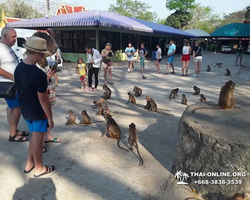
{"points": [[12, 19], [198, 32], [66, 9], [233, 30], [99, 18]]}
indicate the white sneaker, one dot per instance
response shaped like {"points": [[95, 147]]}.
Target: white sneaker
{"points": [[194, 75]]}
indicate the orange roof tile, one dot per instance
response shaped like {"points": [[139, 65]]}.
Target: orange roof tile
{"points": [[78, 8], [69, 9], [66, 9], [9, 19]]}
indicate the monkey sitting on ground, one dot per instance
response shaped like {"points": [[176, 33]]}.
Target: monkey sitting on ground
{"points": [[208, 68], [173, 93], [153, 106], [238, 196], [228, 72], [202, 98], [197, 90], [113, 130], [138, 91], [148, 105], [72, 119], [100, 107], [107, 92], [133, 140], [86, 118], [131, 99], [107, 111], [184, 100], [226, 97]]}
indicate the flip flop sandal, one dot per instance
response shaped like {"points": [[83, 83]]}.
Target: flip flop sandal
{"points": [[53, 141], [49, 169], [44, 149], [172, 72], [23, 133], [26, 172], [12, 139]]}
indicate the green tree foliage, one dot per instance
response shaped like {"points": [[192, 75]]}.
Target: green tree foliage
{"points": [[179, 19], [234, 17], [20, 9], [247, 15], [136, 9], [203, 18], [180, 4]]}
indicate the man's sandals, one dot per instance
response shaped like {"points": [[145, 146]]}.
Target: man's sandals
{"points": [[21, 139], [49, 169], [55, 140]]}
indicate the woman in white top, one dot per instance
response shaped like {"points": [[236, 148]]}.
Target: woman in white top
{"points": [[186, 51], [158, 58]]}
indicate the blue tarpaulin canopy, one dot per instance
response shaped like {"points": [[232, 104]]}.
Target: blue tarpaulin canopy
{"points": [[234, 30], [99, 18]]}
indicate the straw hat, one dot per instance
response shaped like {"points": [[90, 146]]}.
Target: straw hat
{"points": [[36, 44]]}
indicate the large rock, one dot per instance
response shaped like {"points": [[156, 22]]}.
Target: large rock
{"points": [[215, 141]]}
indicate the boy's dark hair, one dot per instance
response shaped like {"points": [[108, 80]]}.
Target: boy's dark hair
{"points": [[88, 46], [78, 59]]}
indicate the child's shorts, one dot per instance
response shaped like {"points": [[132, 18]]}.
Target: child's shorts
{"points": [[39, 126]]}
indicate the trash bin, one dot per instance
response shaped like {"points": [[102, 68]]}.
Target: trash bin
{"points": [[153, 57]]}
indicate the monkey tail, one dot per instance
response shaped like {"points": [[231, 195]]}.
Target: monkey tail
{"points": [[201, 108], [118, 144], [114, 113], [96, 122], [136, 146], [139, 105]]}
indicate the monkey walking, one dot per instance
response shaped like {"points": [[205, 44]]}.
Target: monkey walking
{"points": [[197, 90], [208, 68], [133, 140], [228, 72], [184, 100], [107, 111], [86, 119], [226, 97], [138, 91], [113, 130], [173, 93], [217, 64], [102, 101], [202, 98]]}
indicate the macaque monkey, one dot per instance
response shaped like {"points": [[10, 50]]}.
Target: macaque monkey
{"points": [[72, 119], [153, 107], [102, 101], [208, 68], [107, 111], [197, 90], [218, 64], [133, 141], [131, 99], [228, 72], [173, 93], [113, 130], [100, 107], [138, 91], [226, 98], [148, 105], [107, 92], [86, 118], [184, 100], [202, 98]]}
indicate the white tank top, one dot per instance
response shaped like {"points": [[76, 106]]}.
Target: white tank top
{"points": [[185, 50]]}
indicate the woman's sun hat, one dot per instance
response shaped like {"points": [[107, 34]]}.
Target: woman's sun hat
{"points": [[36, 44]]}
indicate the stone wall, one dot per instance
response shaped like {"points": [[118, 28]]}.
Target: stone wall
{"points": [[204, 146]]}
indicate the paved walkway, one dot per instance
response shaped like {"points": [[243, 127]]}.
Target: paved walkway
{"points": [[90, 167]]}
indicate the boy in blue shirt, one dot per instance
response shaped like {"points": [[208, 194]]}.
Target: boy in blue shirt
{"points": [[171, 52]]}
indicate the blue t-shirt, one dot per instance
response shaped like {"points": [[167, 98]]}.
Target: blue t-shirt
{"points": [[29, 80], [171, 48], [142, 52], [130, 51]]}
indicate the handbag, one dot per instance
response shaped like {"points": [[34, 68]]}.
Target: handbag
{"points": [[51, 94], [7, 90], [89, 66]]}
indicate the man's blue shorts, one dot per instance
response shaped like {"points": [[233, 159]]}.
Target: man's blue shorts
{"points": [[171, 59], [40, 126], [13, 103], [238, 54]]}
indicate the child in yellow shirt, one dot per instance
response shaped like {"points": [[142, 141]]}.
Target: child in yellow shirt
{"points": [[81, 70]]}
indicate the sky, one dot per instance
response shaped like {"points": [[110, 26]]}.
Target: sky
{"points": [[220, 6]]}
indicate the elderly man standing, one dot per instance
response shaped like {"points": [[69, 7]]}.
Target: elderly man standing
{"points": [[8, 63]]}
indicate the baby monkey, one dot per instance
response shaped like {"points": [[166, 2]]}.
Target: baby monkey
{"points": [[173, 93], [86, 118], [208, 68], [228, 72], [184, 100], [197, 90], [133, 141], [202, 98], [138, 91], [72, 119]]}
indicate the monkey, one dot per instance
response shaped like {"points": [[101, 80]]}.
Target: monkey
{"points": [[208, 68], [238, 196], [148, 105], [133, 140], [131, 99], [153, 107], [143, 77], [138, 91], [102, 101], [107, 92], [113, 130], [100, 112], [107, 111], [184, 100], [173, 93], [202, 98], [228, 72], [218, 64], [226, 98], [72, 119], [197, 90], [86, 118]]}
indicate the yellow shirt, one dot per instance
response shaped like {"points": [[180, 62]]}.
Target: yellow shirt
{"points": [[81, 68]]}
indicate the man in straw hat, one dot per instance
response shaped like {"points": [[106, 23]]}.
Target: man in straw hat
{"points": [[31, 84]]}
